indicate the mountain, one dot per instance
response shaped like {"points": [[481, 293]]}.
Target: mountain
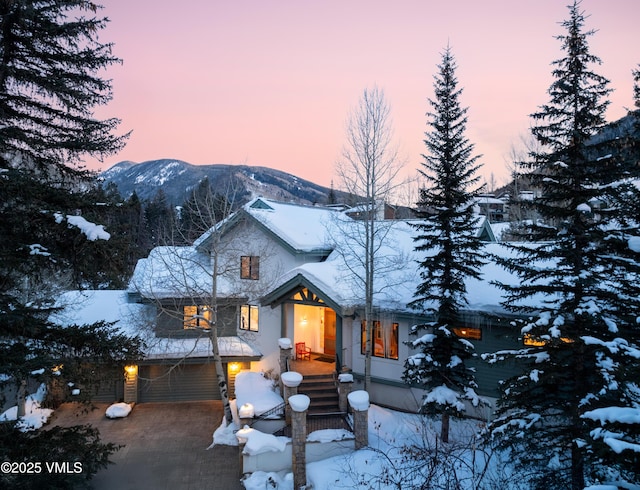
{"points": [[178, 179]]}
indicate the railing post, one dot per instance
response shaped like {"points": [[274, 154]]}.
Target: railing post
{"points": [[345, 385], [285, 354], [359, 401], [299, 406], [291, 380]]}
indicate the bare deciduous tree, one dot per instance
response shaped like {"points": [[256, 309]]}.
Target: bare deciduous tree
{"points": [[369, 170]]}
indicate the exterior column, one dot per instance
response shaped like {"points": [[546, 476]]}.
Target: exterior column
{"points": [[290, 380], [285, 355], [345, 385], [359, 401], [299, 406]]}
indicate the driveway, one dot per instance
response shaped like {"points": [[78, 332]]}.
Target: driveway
{"points": [[165, 446]]}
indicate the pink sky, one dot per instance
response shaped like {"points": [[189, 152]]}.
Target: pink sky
{"points": [[271, 83]]}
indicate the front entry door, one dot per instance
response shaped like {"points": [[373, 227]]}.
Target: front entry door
{"points": [[329, 332]]}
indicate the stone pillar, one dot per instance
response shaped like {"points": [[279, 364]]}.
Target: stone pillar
{"points": [[299, 406], [285, 354], [290, 380], [345, 385], [359, 401]]}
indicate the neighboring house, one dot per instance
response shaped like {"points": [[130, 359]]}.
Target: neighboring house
{"points": [[284, 270]]}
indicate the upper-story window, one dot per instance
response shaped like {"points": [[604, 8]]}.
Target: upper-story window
{"points": [[197, 316], [249, 318], [250, 267]]}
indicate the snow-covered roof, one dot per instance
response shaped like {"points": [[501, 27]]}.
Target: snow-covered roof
{"points": [[300, 227], [397, 277], [172, 272], [86, 307]]}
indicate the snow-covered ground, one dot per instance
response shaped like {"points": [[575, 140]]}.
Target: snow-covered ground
{"points": [[385, 464]]}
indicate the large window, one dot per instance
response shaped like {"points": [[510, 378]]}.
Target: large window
{"points": [[249, 318], [197, 316], [250, 267], [385, 339]]}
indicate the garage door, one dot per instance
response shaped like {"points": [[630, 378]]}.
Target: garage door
{"points": [[160, 383]]}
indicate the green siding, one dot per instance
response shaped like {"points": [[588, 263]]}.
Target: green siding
{"points": [[157, 383]]}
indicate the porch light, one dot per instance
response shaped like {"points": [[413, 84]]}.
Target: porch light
{"points": [[303, 322], [234, 367], [131, 371]]}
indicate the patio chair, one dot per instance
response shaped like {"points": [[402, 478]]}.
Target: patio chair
{"points": [[302, 351]]}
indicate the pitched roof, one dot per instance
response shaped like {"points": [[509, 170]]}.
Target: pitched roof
{"points": [[300, 228]]}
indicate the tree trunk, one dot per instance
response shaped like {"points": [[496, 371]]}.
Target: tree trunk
{"points": [[222, 380], [22, 398], [444, 430]]}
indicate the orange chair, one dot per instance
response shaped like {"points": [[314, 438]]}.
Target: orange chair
{"points": [[302, 351]]}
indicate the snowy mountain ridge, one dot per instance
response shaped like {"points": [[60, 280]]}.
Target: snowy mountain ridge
{"points": [[177, 179]]}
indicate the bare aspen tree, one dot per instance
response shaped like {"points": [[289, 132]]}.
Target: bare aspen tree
{"points": [[368, 170]]}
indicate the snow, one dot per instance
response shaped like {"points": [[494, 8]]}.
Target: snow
{"points": [[291, 379], [622, 415], [329, 435], [359, 400], [118, 410], [257, 442], [299, 403], [35, 416], [441, 395], [254, 388], [284, 343], [91, 230], [345, 378]]}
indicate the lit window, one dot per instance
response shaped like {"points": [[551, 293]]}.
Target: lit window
{"points": [[385, 339], [250, 267], [249, 318], [468, 333], [197, 316]]}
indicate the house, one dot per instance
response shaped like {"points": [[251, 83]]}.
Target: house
{"points": [[290, 271]]}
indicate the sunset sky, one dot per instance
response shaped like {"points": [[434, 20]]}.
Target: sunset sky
{"points": [[271, 83]]}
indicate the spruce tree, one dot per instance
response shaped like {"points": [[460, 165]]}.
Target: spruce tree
{"points": [[49, 89], [636, 87], [446, 236], [579, 289]]}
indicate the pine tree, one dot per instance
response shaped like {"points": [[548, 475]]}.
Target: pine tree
{"points": [[49, 57], [636, 86], [446, 235], [583, 337]]}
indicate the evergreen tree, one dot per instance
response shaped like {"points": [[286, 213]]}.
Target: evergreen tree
{"points": [[580, 342], [160, 219], [49, 57], [636, 86], [446, 235]]}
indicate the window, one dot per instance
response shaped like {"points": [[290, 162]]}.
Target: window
{"points": [[250, 267], [385, 339], [197, 316], [468, 333], [249, 318]]}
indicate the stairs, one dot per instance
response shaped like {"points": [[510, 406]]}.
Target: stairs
{"points": [[322, 392]]}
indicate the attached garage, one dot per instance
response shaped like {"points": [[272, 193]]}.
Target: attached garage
{"points": [[170, 383]]}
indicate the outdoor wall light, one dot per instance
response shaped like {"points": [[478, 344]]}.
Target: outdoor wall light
{"points": [[234, 367], [131, 371], [303, 322]]}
